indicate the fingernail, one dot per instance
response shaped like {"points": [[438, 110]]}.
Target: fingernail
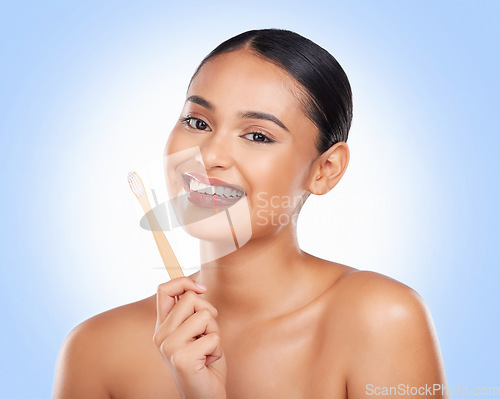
{"points": [[199, 285]]}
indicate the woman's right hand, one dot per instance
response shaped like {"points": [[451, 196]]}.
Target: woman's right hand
{"points": [[188, 339]]}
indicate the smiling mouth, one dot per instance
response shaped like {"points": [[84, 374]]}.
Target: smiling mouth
{"points": [[207, 192]]}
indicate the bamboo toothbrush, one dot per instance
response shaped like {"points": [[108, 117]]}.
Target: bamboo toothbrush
{"points": [[167, 254]]}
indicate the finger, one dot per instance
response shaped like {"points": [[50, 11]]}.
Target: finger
{"points": [[196, 326], [200, 323], [165, 297], [187, 306], [192, 302], [207, 348]]}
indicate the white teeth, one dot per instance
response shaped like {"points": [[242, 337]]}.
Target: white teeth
{"points": [[200, 187], [231, 193], [207, 190], [227, 192]]}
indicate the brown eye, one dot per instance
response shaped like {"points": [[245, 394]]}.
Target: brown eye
{"points": [[199, 124], [258, 137], [195, 123]]}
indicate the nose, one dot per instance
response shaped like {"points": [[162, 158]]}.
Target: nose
{"points": [[216, 151]]}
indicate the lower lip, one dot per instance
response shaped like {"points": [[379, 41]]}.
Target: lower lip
{"points": [[208, 200]]}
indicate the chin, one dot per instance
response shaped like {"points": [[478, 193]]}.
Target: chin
{"points": [[214, 229], [231, 227]]}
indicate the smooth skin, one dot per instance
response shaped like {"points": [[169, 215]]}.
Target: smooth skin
{"points": [[268, 320]]}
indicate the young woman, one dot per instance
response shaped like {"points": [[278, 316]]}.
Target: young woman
{"points": [[269, 112]]}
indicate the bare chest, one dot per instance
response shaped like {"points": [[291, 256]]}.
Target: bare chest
{"points": [[286, 359], [291, 358]]}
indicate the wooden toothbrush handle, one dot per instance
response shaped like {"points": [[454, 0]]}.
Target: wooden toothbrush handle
{"points": [[167, 254]]}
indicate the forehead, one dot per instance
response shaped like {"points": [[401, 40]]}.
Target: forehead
{"points": [[241, 80]]}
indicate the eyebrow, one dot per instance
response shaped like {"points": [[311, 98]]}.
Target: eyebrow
{"points": [[247, 114], [201, 101], [264, 116]]}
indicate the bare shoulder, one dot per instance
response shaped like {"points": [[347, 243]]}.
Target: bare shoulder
{"points": [[377, 299], [369, 302], [377, 288], [94, 351], [364, 298], [131, 319], [386, 330]]}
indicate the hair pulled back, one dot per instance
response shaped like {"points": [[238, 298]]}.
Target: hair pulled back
{"points": [[328, 102]]}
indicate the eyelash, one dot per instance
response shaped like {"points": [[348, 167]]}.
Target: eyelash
{"points": [[187, 119]]}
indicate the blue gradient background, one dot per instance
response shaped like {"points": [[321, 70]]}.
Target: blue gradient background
{"points": [[90, 90]]}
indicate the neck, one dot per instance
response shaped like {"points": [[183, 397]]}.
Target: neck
{"points": [[256, 280]]}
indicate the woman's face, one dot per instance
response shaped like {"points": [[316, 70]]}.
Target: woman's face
{"points": [[242, 123]]}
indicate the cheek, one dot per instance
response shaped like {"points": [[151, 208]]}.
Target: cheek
{"points": [[269, 175], [180, 140], [179, 155], [279, 175], [277, 187], [175, 143]]}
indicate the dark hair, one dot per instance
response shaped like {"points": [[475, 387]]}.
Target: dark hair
{"points": [[328, 102]]}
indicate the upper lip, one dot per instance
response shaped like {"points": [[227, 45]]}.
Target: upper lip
{"points": [[212, 181]]}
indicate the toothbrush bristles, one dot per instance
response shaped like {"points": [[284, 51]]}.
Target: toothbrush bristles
{"points": [[135, 184]]}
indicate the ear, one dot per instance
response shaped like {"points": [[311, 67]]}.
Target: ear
{"points": [[329, 168]]}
